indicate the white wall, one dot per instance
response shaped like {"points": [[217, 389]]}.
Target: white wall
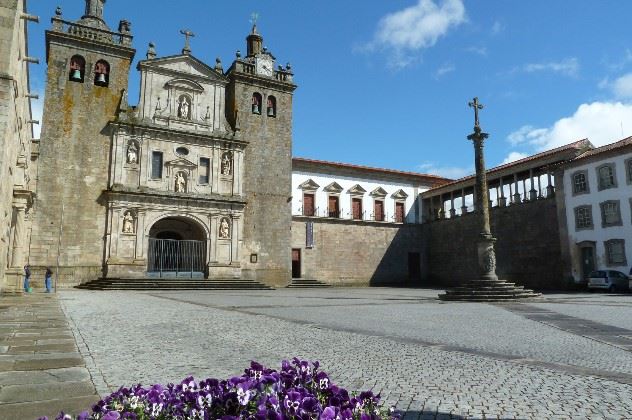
{"points": [[622, 193], [369, 184]]}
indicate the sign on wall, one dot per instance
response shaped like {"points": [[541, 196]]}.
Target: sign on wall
{"points": [[309, 234]]}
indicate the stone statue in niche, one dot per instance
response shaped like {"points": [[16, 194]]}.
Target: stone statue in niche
{"points": [[184, 110], [132, 152], [128, 222], [227, 164], [224, 229], [181, 183]]}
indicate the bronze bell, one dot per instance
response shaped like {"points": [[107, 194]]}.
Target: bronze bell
{"points": [[76, 74], [270, 111], [255, 109], [101, 78]]}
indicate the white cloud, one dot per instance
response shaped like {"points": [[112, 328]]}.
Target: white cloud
{"points": [[568, 67], [600, 122], [444, 69], [514, 156], [452, 172], [482, 51], [417, 27], [497, 28], [622, 87]]}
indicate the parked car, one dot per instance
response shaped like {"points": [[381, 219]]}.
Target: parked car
{"points": [[610, 280]]}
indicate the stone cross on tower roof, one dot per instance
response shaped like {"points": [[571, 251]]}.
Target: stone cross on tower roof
{"points": [[187, 34]]}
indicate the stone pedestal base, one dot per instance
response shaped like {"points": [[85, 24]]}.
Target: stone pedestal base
{"points": [[488, 291], [13, 282]]}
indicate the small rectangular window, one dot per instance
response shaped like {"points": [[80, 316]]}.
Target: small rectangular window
{"points": [[615, 252], [204, 170], [607, 176], [156, 165], [583, 217], [580, 182], [628, 170], [610, 213]]}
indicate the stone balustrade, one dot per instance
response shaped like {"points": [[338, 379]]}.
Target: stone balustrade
{"points": [[90, 33]]}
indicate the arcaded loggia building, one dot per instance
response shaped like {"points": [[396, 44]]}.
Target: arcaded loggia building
{"points": [[193, 181]]}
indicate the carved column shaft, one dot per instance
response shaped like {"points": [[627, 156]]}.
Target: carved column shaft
{"points": [[19, 238]]}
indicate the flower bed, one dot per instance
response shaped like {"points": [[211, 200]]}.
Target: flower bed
{"points": [[298, 391]]}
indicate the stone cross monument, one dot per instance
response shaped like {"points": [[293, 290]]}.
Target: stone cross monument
{"points": [[485, 286]]}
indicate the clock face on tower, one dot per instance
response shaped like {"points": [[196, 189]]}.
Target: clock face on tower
{"points": [[265, 65]]}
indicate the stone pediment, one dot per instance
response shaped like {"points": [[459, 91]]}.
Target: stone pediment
{"points": [[399, 195], [182, 163], [357, 190], [334, 187], [379, 192], [309, 185], [184, 65], [186, 84]]}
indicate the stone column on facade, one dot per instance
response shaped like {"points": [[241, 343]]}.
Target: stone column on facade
{"points": [[215, 168], [234, 235], [141, 243], [452, 209], [516, 196], [463, 206], [533, 194], [502, 201], [550, 189], [212, 240], [539, 185], [19, 236]]}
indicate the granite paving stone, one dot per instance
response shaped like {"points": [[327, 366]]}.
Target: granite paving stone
{"points": [[41, 372], [432, 360]]}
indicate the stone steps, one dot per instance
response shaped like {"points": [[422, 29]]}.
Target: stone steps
{"points": [[488, 291], [307, 284], [173, 284]]}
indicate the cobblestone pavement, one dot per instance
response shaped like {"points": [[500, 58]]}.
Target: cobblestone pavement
{"points": [[430, 359]]}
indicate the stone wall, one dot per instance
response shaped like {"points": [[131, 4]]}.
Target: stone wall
{"points": [[75, 159], [267, 177], [17, 177], [528, 247], [356, 253]]}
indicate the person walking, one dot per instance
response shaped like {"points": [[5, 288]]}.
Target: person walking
{"points": [[27, 278], [48, 277]]}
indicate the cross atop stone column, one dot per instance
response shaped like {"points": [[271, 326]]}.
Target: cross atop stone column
{"points": [[477, 106], [187, 47]]}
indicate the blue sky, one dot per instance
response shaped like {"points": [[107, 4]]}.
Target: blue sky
{"points": [[386, 83]]}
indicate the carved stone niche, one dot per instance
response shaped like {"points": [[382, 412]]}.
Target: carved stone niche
{"points": [[132, 153], [224, 229], [129, 223], [227, 164], [180, 173]]}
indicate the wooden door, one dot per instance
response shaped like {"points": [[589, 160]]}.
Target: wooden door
{"points": [[399, 212], [296, 263], [588, 260], [333, 206], [356, 207], [308, 204], [379, 210]]}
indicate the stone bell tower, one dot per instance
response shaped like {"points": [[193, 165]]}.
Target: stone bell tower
{"points": [[259, 105], [88, 68]]}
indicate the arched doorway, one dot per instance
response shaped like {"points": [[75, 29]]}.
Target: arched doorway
{"points": [[177, 248]]}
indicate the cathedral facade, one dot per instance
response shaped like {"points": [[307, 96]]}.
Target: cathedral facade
{"points": [[194, 181]]}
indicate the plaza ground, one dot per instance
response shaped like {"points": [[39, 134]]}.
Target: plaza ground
{"points": [[564, 356]]}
